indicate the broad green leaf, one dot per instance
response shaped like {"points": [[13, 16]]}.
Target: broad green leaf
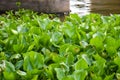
{"points": [[96, 77], [81, 64], [45, 39], [111, 46], [57, 58], [49, 73], [70, 59], [33, 60], [69, 77], [117, 61], [75, 17], [69, 29], [66, 48], [9, 67], [19, 64], [18, 47], [36, 41], [97, 42], [35, 30], [56, 37], [83, 35], [99, 64], [27, 66], [31, 47], [111, 50], [64, 66], [86, 58], [80, 74], [60, 73], [9, 70], [9, 75], [51, 69]]}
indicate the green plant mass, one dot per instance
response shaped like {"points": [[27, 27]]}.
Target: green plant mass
{"points": [[35, 47]]}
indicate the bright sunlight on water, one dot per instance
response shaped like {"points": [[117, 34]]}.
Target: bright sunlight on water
{"points": [[78, 6]]}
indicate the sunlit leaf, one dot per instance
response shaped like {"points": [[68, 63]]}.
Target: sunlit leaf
{"points": [[80, 74]]}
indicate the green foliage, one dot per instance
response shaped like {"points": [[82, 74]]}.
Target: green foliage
{"points": [[34, 47]]}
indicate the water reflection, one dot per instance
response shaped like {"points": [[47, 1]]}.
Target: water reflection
{"points": [[78, 6]]}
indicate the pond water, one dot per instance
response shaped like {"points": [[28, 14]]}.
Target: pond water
{"points": [[78, 6]]}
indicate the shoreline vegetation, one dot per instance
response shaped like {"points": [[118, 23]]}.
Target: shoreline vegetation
{"points": [[35, 47]]}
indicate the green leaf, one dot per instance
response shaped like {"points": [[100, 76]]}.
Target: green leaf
{"points": [[96, 77], [109, 77], [33, 60], [80, 74], [51, 69], [31, 47], [69, 77], [117, 60], [36, 41], [9, 75], [97, 42], [60, 73], [68, 29], [57, 37], [111, 46], [64, 66], [86, 58], [57, 58], [49, 73], [66, 48], [27, 66], [9, 70], [70, 59], [18, 48], [19, 64], [81, 64], [9, 67], [45, 39], [99, 64]]}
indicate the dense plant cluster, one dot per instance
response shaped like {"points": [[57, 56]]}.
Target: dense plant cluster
{"points": [[34, 47]]}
